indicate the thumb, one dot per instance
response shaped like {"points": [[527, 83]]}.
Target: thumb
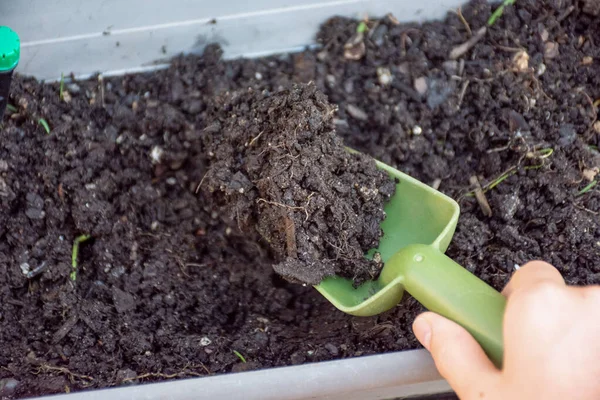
{"points": [[457, 355]]}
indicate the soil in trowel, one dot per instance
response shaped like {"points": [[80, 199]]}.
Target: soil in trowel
{"points": [[277, 165]]}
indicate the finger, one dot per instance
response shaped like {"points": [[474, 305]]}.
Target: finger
{"points": [[531, 274], [457, 355]]}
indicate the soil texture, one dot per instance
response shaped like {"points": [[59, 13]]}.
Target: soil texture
{"points": [[168, 286], [277, 165]]}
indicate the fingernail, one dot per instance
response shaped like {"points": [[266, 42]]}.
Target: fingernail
{"points": [[422, 330]]}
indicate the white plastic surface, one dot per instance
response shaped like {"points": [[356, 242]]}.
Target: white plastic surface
{"points": [[84, 37], [386, 376], [116, 36]]}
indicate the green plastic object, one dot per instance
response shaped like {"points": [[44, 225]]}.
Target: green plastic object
{"points": [[10, 49], [417, 231]]}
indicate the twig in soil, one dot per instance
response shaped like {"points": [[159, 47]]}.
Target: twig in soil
{"points": [[587, 188], [538, 84], [290, 236], [254, 139], [499, 11], [61, 90], [64, 329], [509, 172], [373, 28], [44, 124], [377, 330], [593, 103], [461, 96], [481, 199], [460, 50], [181, 264], [166, 376], [201, 181], [584, 209], [63, 370], [494, 182], [407, 90], [37, 270], [61, 192], [195, 265], [594, 114], [15, 302], [565, 14], [499, 149], [101, 85], [403, 37], [464, 21], [75, 253], [274, 203], [509, 49], [240, 356]]}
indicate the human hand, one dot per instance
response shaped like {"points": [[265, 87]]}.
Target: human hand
{"points": [[551, 342]]}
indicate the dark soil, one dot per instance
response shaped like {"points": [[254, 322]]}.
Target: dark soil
{"points": [[276, 164], [168, 286]]}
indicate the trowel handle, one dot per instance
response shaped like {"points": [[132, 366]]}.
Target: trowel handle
{"points": [[446, 288]]}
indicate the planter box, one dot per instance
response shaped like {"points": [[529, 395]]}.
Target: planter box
{"points": [[116, 37]]}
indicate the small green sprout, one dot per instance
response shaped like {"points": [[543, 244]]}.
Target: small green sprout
{"points": [[44, 123], [498, 181], [75, 253], [587, 188], [239, 355], [362, 27], [11, 108], [61, 91], [498, 12], [545, 153], [593, 147]]}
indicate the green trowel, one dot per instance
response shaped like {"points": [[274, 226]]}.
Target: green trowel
{"points": [[417, 231]]}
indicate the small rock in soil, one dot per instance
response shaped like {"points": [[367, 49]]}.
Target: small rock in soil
{"points": [[450, 67], [355, 48], [550, 50], [378, 36], [127, 376], [4, 189], [591, 7], [507, 205], [567, 135], [297, 358], [356, 112], [35, 206], [123, 301], [332, 349], [438, 92], [421, 85], [8, 386], [384, 76], [245, 366]]}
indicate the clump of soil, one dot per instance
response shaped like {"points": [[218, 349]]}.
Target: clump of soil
{"points": [[277, 165]]}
